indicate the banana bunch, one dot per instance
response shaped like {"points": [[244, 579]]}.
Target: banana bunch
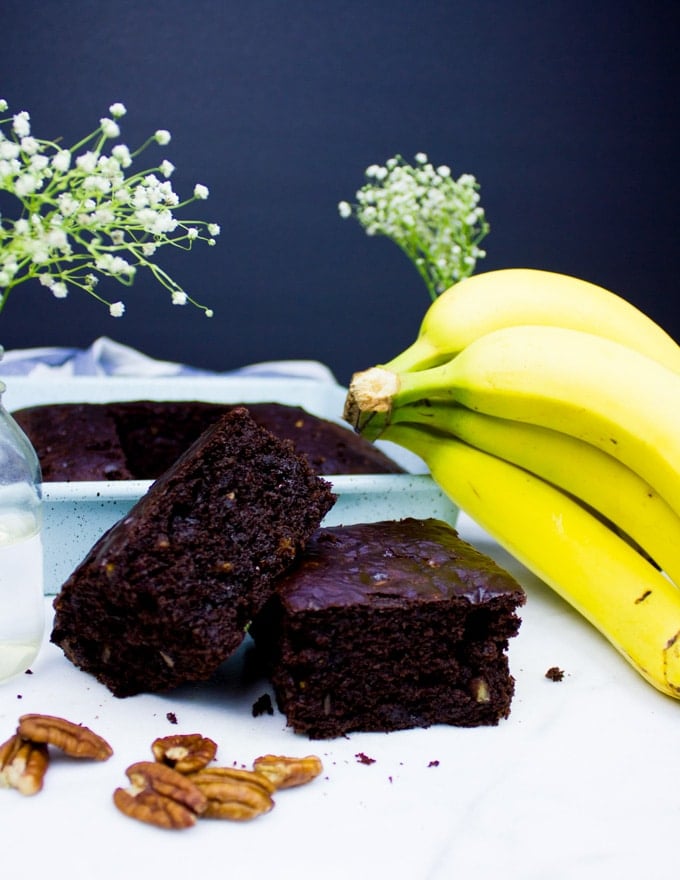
{"points": [[548, 409]]}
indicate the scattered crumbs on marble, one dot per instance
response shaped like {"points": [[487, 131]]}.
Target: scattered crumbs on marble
{"points": [[390, 780], [434, 763], [20, 696], [263, 706], [364, 759], [172, 718], [555, 673], [28, 672]]}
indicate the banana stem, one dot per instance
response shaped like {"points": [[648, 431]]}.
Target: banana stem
{"points": [[380, 390], [370, 391]]}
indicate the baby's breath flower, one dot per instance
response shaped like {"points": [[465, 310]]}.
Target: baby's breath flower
{"points": [[122, 154], [21, 124], [9, 150], [110, 129], [61, 161], [437, 221], [26, 184], [67, 204], [110, 264], [29, 145], [87, 162], [97, 184], [80, 217]]}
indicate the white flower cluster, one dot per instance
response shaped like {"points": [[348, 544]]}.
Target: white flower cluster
{"points": [[436, 220], [82, 217]]}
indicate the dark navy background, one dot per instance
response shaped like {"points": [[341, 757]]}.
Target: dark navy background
{"points": [[565, 112]]}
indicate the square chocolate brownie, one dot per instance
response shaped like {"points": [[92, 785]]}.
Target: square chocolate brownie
{"points": [[390, 625]]}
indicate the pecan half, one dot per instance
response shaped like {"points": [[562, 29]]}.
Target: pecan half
{"points": [[186, 753], [234, 794], [284, 772], [75, 740], [23, 765], [160, 796]]}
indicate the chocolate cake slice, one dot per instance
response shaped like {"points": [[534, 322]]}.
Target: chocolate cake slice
{"points": [[390, 625], [166, 594], [141, 439]]}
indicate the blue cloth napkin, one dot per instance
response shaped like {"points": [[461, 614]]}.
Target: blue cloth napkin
{"points": [[105, 357]]}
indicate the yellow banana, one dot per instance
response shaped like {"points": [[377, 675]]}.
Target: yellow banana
{"points": [[580, 384], [590, 475], [508, 297], [631, 603]]}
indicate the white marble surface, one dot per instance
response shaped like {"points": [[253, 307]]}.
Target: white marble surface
{"points": [[579, 782]]}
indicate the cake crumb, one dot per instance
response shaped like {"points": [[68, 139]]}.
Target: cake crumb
{"points": [[263, 706], [172, 718], [555, 673], [364, 759], [434, 763]]}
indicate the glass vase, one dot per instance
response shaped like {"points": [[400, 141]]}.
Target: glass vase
{"points": [[22, 613]]}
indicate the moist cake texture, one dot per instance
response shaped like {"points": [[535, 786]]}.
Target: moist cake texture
{"points": [[390, 625], [166, 594], [141, 439]]}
